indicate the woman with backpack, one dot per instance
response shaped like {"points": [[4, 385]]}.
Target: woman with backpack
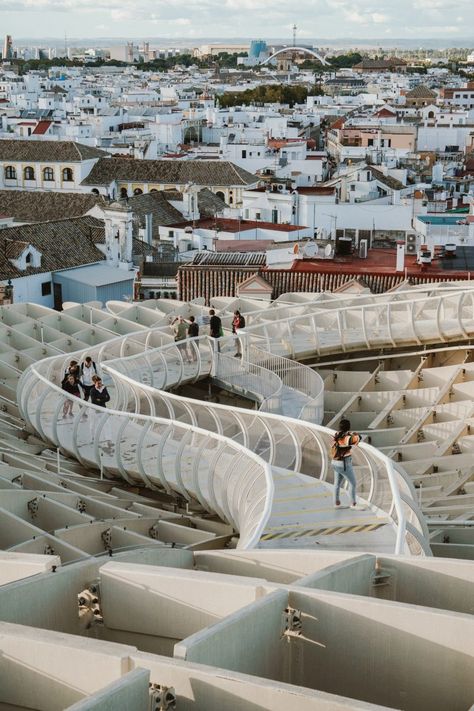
{"points": [[341, 460], [238, 322]]}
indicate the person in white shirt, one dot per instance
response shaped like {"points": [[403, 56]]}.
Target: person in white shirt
{"points": [[87, 371]]}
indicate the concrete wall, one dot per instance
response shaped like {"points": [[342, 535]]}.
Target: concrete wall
{"points": [[398, 655], [203, 688], [129, 693], [29, 289], [248, 641], [166, 602]]}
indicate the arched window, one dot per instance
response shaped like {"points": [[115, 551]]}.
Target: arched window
{"points": [[29, 173], [220, 195], [48, 174], [137, 191], [10, 173], [28, 258], [68, 175], [94, 191], [153, 190], [123, 192]]}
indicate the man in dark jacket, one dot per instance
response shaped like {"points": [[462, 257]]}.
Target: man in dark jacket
{"points": [[215, 325], [99, 393]]}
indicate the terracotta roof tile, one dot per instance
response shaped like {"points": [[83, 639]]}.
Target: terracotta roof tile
{"points": [[47, 151], [177, 172]]}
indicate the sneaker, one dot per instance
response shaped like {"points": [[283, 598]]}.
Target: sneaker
{"points": [[337, 504], [353, 505], [237, 355]]}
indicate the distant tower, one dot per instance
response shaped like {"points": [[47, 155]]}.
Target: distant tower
{"points": [[294, 35], [8, 47], [118, 235]]}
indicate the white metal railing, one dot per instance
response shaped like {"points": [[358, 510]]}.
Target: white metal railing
{"points": [[188, 437], [222, 475], [445, 317]]}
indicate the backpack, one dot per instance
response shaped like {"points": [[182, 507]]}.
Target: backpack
{"points": [[339, 451]]}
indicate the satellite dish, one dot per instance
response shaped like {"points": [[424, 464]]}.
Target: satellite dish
{"points": [[328, 251], [310, 249]]}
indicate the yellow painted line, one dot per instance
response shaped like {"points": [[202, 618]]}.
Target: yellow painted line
{"points": [[306, 511], [330, 524], [335, 531], [359, 528]]}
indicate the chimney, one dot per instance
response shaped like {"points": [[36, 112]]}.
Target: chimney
{"points": [[148, 228], [400, 256]]}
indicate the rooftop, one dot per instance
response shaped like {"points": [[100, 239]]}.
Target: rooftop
{"points": [[47, 151], [224, 224], [172, 172]]}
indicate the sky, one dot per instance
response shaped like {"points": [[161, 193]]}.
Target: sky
{"points": [[224, 19]]}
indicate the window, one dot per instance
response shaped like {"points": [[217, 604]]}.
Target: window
{"points": [[29, 258], [46, 288], [244, 154], [10, 173], [29, 173], [48, 174], [68, 175], [123, 192], [137, 191], [370, 142], [274, 215]]}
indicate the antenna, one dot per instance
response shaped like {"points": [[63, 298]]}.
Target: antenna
{"points": [[294, 35], [65, 44]]}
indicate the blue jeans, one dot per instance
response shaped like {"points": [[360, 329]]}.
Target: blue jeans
{"points": [[343, 469]]}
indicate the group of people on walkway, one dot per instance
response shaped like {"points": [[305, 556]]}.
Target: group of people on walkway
{"points": [[83, 379], [188, 328]]}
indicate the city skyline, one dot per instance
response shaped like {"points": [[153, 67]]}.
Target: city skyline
{"points": [[37, 19]]}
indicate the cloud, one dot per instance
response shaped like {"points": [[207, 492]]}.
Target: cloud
{"points": [[225, 19]]}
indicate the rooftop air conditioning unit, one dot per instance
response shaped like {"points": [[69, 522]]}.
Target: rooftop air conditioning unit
{"points": [[280, 188], [410, 244], [363, 249]]}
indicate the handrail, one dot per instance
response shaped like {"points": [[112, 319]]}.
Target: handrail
{"points": [[248, 539], [268, 434]]}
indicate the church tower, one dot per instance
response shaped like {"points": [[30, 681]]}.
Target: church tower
{"points": [[118, 235]]}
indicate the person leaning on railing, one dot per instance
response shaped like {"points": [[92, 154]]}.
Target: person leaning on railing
{"points": [[341, 460]]}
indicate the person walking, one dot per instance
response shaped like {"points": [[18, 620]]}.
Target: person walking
{"points": [[341, 460], [180, 333], [238, 322], [87, 371], [99, 394], [193, 332], [71, 386], [72, 369]]}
